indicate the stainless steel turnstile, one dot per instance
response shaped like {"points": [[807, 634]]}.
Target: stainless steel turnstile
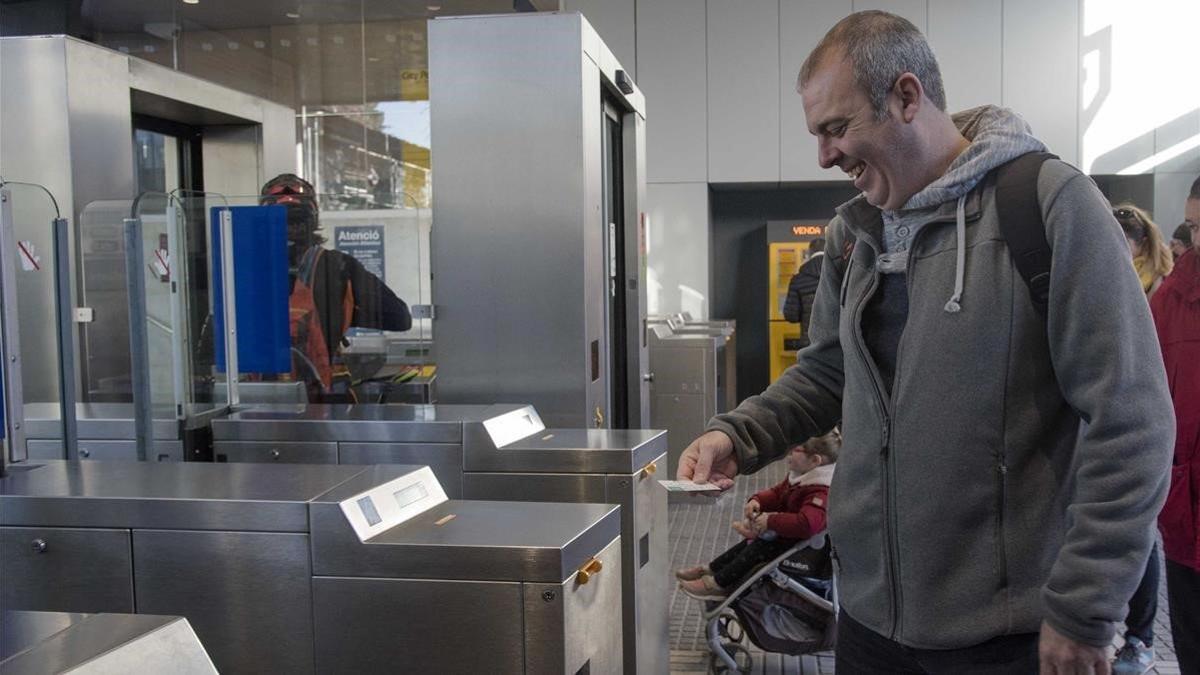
{"points": [[106, 431], [691, 382], [464, 586], [497, 452], [47, 643], [726, 379], [225, 546], [612, 466], [246, 553], [355, 434]]}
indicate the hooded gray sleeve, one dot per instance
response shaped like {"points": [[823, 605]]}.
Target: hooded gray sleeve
{"points": [[1105, 354], [807, 399]]}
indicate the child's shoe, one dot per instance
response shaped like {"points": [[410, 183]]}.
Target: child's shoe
{"points": [[1135, 658], [704, 588], [692, 573]]}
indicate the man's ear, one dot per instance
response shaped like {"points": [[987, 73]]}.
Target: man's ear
{"points": [[908, 94]]}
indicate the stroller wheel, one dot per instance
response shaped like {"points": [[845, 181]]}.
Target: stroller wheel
{"points": [[728, 627], [738, 653]]}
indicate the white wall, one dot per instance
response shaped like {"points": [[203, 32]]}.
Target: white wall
{"points": [[802, 24], [961, 27], [673, 73], [677, 240], [615, 21], [1102, 82], [743, 91], [1140, 106]]}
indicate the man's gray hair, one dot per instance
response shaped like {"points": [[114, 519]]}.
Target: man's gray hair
{"points": [[880, 47]]}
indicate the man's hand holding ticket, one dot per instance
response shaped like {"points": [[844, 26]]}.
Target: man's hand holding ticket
{"points": [[709, 459]]}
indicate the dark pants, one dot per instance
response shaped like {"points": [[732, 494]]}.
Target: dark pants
{"points": [[734, 565], [1183, 598], [862, 651], [1143, 606]]}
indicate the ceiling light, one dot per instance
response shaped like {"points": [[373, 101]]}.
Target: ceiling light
{"points": [[293, 15], [191, 2], [432, 8]]}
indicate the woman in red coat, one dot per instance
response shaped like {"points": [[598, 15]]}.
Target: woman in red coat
{"points": [[1176, 309]]}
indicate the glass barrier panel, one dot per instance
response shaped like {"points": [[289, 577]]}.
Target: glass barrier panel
{"points": [[104, 350], [34, 267], [174, 270], [183, 300], [207, 386], [159, 217]]}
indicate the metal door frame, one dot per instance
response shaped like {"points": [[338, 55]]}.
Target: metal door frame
{"points": [[10, 349]]}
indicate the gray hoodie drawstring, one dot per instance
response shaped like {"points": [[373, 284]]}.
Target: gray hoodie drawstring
{"points": [[953, 305]]}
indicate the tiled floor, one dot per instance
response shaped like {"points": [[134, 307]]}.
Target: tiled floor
{"points": [[700, 531]]}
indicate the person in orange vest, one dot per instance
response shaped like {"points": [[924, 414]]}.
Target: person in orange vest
{"points": [[331, 292]]}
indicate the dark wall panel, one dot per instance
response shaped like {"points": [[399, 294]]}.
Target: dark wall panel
{"points": [[739, 261]]}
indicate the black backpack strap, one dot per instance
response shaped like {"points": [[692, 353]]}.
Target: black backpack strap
{"points": [[1020, 214]]}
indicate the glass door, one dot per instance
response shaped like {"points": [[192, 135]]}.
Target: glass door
{"points": [[166, 156], [614, 254]]}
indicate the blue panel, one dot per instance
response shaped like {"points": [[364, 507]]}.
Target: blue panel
{"points": [[260, 267]]}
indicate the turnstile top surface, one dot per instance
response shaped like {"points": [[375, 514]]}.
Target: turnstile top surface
{"points": [[20, 630], [377, 423], [524, 526], [42, 643], [570, 451], [485, 541], [168, 495], [687, 340]]}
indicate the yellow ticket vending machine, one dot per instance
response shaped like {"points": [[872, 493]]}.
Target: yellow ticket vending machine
{"points": [[788, 248]]}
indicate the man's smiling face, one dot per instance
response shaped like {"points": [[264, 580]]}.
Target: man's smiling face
{"points": [[852, 138]]}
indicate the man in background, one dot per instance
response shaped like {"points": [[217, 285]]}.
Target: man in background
{"points": [[802, 289]]}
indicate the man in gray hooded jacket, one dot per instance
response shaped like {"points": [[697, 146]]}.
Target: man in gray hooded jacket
{"points": [[1001, 471]]}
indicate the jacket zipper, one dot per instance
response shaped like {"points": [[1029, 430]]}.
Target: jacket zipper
{"points": [[889, 543], [890, 507], [1001, 505], [887, 404]]}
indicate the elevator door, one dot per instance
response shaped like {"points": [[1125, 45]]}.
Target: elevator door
{"points": [[166, 155], [614, 265]]}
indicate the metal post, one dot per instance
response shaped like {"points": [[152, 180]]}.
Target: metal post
{"points": [[180, 371], [66, 343], [139, 356], [229, 302], [3, 422], [10, 349]]}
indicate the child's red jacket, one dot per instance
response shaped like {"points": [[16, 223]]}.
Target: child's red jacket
{"points": [[798, 511]]}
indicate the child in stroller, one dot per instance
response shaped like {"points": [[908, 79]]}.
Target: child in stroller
{"points": [[788, 606], [774, 520], [776, 585]]}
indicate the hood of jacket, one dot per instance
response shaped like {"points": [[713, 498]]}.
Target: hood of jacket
{"points": [[997, 135]]}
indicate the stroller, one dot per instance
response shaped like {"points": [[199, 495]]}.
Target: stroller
{"points": [[787, 606]]}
